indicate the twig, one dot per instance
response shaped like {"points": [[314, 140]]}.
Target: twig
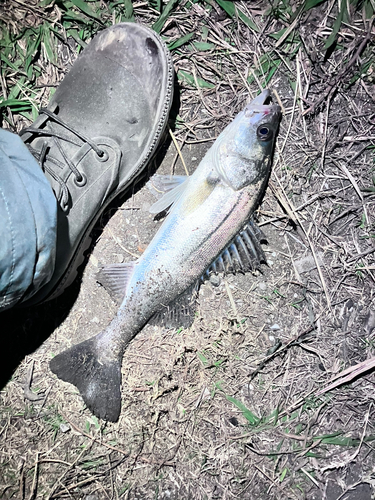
{"points": [[58, 482], [96, 440], [295, 341], [93, 439], [295, 218], [342, 73], [355, 454], [265, 475], [233, 304], [35, 477], [348, 375], [290, 121], [178, 149], [310, 477], [350, 177], [27, 392], [117, 240], [360, 255]]}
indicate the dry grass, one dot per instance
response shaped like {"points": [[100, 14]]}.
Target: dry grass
{"points": [[240, 405]]}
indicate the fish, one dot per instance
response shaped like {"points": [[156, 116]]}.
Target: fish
{"points": [[208, 229]]}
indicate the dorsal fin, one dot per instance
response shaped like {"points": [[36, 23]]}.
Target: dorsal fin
{"points": [[244, 252], [172, 186], [115, 279]]}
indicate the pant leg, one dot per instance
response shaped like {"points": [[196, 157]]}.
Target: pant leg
{"points": [[28, 213]]}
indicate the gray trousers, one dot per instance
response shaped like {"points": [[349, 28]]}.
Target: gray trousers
{"points": [[28, 212]]}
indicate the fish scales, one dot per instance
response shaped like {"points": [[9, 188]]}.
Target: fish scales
{"points": [[210, 209]]}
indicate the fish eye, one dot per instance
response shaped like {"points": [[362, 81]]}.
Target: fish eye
{"points": [[264, 132]]}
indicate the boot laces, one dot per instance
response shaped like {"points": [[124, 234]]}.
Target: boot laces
{"points": [[41, 155]]}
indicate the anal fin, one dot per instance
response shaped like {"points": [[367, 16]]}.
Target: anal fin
{"points": [[180, 312]]}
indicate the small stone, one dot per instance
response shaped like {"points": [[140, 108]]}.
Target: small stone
{"points": [[95, 320], [93, 260], [206, 395], [370, 322], [119, 257], [215, 280], [64, 427], [306, 264], [275, 327]]}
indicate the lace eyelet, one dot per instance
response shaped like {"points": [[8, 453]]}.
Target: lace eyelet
{"points": [[80, 182], [104, 156]]}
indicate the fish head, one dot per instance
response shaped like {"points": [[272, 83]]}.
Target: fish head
{"points": [[244, 149]]}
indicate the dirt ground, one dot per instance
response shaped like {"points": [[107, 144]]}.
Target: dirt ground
{"points": [[239, 406]]}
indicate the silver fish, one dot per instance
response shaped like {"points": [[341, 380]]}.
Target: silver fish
{"points": [[207, 229]]}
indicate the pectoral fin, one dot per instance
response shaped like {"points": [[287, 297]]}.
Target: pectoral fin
{"points": [[159, 184], [172, 187]]}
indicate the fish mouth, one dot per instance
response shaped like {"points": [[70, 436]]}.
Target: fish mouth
{"points": [[263, 104], [262, 98]]}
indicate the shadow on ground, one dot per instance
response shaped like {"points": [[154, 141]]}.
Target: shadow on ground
{"points": [[25, 329]]}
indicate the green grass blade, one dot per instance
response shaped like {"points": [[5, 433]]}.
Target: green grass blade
{"points": [[28, 67], [219, 385], [158, 25], [187, 77], [202, 358], [16, 105], [9, 63], [48, 44], [202, 46], [266, 70], [290, 38], [16, 90], [338, 439], [231, 10], [34, 114], [369, 10], [34, 39], [250, 417], [310, 4], [70, 15], [86, 9], [155, 4], [336, 26], [283, 474], [180, 41], [77, 37], [129, 11]]}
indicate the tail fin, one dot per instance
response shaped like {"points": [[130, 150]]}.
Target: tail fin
{"points": [[98, 381]]}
